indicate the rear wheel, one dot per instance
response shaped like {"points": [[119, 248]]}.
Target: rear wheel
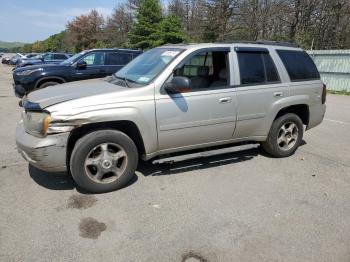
{"points": [[285, 136], [103, 161]]}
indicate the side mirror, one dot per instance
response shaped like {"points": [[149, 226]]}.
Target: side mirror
{"points": [[81, 64], [179, 84]]}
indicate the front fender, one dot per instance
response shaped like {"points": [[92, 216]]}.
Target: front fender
{"points": [[143, 119]]}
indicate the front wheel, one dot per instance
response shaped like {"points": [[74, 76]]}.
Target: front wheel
{"points": [[46, 84], [285, 136], [103, 161]]}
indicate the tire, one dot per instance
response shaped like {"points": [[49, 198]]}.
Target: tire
{"points": [[91, 158], [285, 136], [46, 84]]}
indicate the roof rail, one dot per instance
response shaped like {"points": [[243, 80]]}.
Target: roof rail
{"points": [[264, 42]]}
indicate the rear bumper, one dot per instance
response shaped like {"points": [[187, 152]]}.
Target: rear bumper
{"points": [[47, 153], [316, 115]]}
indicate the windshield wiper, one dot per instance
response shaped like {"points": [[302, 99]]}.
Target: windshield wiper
{"points": [[126, 82]]}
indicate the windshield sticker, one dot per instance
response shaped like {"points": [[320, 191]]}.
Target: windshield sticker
{"points": [[170, 53], [144, 79]]}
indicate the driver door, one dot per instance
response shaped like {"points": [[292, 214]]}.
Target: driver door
{"points": [[95, 67], [206, 114]]}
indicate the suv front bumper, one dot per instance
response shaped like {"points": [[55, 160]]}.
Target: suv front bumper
{"points": [[46, 153], [19, 90]]}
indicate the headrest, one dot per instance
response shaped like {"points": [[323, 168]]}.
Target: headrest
{"points": [[203, 71]]}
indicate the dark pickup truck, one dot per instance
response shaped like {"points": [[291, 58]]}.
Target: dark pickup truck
{"points": [[95, 63]]}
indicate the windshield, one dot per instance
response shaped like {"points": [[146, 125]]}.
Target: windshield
{"points": [[143, 69], [72, 59]]}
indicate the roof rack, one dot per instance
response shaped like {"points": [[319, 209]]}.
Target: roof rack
{"points": [[263, 42]]}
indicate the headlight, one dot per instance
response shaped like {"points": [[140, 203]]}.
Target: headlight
{"points": [[36, 123], [28, 72]]}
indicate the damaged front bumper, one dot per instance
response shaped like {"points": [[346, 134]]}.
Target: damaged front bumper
{"points": [[46, 153]]}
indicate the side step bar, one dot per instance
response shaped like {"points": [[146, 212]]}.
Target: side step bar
{"points": [[214, 152]]}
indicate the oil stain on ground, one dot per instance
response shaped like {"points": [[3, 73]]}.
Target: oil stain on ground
{"points": [[193, 257], [91, 228], [81, 201]]}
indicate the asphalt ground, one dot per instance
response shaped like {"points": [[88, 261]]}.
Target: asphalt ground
{"points": [[240, 206]]}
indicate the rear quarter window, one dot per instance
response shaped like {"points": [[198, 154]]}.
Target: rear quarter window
{"points": [[299, 65]]}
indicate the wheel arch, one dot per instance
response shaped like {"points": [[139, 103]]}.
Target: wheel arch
{"points": [[49, 79], [125, 126], [301, 110]]}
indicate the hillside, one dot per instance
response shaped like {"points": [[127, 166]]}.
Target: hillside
{"points": [[9, 45]]}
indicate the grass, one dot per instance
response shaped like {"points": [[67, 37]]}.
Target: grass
{"points": [[339, 92]]}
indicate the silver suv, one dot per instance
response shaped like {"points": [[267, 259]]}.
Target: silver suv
{"points": [[172, 98]]}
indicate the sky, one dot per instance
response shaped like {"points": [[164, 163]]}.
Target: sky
{"points": [[30, 20]]}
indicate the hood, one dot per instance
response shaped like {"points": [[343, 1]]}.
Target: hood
{"points": [[46, 67], [63, 92]]}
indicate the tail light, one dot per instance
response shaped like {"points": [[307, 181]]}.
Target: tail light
{"points": [[324, 94]]}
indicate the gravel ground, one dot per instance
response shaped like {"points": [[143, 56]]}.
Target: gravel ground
{"points": [[240, 206]]}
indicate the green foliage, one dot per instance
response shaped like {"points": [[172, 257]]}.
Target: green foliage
{"points": [[170, 30], [339, 92], [11, 46], [145, 31]]}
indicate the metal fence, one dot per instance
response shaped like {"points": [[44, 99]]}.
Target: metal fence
{"points": [[334, 67]]}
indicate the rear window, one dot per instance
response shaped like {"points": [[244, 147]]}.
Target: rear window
{"points": [[257, 68], [118, 58], [59, 56], [299, 65]]}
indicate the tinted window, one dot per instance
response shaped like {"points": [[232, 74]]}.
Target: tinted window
{"points": [[59, 56], [299, 65], [118, 58], [47, 57], [256, 68], [95, 58]]}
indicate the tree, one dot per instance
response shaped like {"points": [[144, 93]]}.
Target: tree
{"points": [[86, 30], [118, 26], [170, 30], [145, 30]]}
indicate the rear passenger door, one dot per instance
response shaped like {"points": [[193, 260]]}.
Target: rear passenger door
{"points": [[258, 89], [116, 60]]}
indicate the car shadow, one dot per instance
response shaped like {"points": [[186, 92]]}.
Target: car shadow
{"points": [[61, 180], [147, 168], [64, 181], [53, 181]]}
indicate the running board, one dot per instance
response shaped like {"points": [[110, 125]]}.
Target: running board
{"points": [[208, 153]]}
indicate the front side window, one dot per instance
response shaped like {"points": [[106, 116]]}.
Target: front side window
{"points": [[299, 65], [47, 57], [257, 68], [143, 69], [94, 58], [206, 70], [118, 58]]}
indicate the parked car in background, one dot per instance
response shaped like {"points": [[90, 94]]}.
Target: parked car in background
{"points": [[5, 60], [46, 58], [172, 99], [13, 60], [88, 64]]}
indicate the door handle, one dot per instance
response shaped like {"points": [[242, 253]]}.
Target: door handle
{"points": [[225, 100], [278, 94]]}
